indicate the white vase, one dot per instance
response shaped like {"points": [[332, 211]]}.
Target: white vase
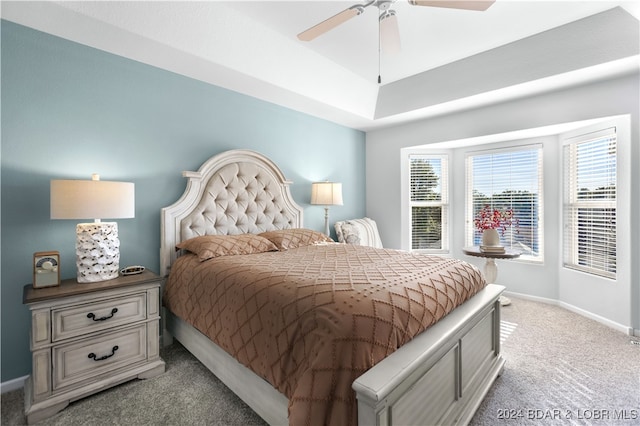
{"points": [[490, 238]]}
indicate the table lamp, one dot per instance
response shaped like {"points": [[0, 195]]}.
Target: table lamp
{"points": [[326, 194], [97, 243]]}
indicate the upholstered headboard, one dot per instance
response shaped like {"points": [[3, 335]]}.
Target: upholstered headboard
{"points": [[235, 192]]}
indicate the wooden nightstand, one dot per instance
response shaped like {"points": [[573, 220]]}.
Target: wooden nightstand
{"points": [[88, 337]]}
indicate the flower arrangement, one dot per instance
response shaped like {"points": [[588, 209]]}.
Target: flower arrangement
{"points": [[488, 218]]}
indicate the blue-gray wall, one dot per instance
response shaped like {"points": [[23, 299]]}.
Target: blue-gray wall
{"points": [[69, 110]]}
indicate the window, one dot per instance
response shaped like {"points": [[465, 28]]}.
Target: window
{"points": [[429, 202], [590, 184], [508, 179]]}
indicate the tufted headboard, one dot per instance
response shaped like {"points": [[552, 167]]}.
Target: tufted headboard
{"points": [[235, 192]]}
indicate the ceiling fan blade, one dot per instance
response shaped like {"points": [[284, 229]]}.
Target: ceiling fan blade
{"points": [[330, 23], [389, 32], [479, 5]]}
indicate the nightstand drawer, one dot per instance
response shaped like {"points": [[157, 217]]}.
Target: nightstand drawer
{"points": [[96, 316], [83, 360]]}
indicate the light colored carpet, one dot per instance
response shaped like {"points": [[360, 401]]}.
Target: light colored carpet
{"points": [[561, 369]]}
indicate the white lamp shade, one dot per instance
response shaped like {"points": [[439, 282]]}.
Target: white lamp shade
{"points": [[92, 199], [326, 193]]}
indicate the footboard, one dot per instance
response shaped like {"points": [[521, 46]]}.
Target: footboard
{"points": [[440, 377]]}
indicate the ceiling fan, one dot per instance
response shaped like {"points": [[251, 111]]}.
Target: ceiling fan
{"points": [[389, 33]]}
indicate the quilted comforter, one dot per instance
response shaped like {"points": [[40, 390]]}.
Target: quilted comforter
{"points": [[310, 320]]}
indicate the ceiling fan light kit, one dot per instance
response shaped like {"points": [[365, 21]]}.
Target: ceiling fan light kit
{"points": [[388, 30], [387, 14]]}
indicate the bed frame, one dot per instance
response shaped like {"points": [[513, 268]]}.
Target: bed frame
{"points": [[439, 377]]}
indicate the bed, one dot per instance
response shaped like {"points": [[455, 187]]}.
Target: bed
{"points": [[431, 348]]}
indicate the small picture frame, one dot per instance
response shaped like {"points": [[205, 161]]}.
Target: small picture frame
{"points": [[46, 269]]}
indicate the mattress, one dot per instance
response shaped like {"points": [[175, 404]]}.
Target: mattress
{"points": [[310, 320]]}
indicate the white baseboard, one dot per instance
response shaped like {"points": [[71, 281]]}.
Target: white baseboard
{"points": [[602, 320], [532, 298], [11, 385]]}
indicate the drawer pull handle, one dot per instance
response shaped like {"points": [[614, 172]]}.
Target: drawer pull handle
{"points": [[93, 316], [102, 358]]}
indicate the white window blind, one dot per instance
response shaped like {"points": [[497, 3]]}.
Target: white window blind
{"points": [[429, 202], [508, 179], [590, 184]]}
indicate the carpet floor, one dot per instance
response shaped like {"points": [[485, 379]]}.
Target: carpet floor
{"points": [[561, 369]]}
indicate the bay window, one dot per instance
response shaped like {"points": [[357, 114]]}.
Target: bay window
{"points": [[508, 180], [429, 202], [590, 214]]}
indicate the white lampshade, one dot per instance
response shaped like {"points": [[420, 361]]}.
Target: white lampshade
{"points": [[97, 243], [326, 193], [92, 199]]}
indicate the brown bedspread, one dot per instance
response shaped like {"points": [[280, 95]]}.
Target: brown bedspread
{"points": [[312, 319]]}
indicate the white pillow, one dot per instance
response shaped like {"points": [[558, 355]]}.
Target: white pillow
{"points": [[362, 232]]}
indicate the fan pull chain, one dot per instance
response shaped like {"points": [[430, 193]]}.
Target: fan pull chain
{"points": [[379, 60]]}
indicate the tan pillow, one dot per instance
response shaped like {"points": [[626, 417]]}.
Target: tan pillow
{"points": [[286, 239], [209, 246]]}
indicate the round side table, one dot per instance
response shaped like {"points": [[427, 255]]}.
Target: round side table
{"points": [[490, 268]]}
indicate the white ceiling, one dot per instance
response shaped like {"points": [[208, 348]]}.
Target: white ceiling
{"points": [[430, 36], [251, 46]]}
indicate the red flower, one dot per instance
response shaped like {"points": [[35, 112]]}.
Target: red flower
{"points": [[488, 218]]}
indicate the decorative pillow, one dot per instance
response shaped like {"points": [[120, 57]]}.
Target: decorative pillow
{"points": [[209, 246], [363, 232], [286, 239]]}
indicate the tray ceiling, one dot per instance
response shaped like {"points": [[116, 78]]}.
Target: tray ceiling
{"points": [[251, 47]]}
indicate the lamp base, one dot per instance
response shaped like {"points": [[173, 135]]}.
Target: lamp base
{"points": [[327, 232], [97, 251]]}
